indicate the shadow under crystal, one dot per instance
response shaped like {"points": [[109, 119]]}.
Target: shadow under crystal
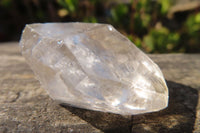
{"points": [[179, 116]]}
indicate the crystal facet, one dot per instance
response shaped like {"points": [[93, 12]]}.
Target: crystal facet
{"points": [[93, 66]]}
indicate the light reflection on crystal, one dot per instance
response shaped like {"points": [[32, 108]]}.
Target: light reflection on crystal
{"points": [[60, 42], [110, 28], [141, 83], [142, 94], [133, 107], [115, 102], [93, 66], [146, 64]]}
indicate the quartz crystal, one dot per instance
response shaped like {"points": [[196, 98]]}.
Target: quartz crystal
{"points": [[93, 66]]}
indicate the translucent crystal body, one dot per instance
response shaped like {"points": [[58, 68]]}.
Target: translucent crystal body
{"points": [[93, 66]]}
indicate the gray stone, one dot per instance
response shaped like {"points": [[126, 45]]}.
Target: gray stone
{"points": [[26, 107]]}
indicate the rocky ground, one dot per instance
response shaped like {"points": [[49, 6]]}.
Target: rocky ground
{"points": [[26, 107]]}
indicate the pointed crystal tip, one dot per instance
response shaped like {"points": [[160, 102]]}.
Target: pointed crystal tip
{"points": [[93, 66]]}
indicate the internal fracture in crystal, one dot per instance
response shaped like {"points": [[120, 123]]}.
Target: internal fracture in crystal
{"points": [[93, 66]]}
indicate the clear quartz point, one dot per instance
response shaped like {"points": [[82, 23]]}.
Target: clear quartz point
{"points": [[93, 66]]}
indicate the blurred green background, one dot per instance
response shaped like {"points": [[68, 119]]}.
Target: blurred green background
{"points": [[155, 26]]}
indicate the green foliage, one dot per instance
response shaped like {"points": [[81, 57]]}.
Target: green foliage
{"points": [[136, 41], [193, 23], [146, 29], [119, 13], [165, 5], [161, 40], [144, 22], [90, 20], [191, 34], [70, 5], [5, 3]]}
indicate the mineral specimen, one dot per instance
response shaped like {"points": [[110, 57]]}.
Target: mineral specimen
{"points": [[93, 66]]}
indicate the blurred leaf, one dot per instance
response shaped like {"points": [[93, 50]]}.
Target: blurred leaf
{"points": [[135, 40], [146, 18], [70, 5], [130, 37], [138, 24], [119, 12], [90, 20], [197, 18], [193, 23], [63, 12], [144, 5], [165, 5], [138, 42], [6, 3], [149, 42], [191, 35], [161, 40]]}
